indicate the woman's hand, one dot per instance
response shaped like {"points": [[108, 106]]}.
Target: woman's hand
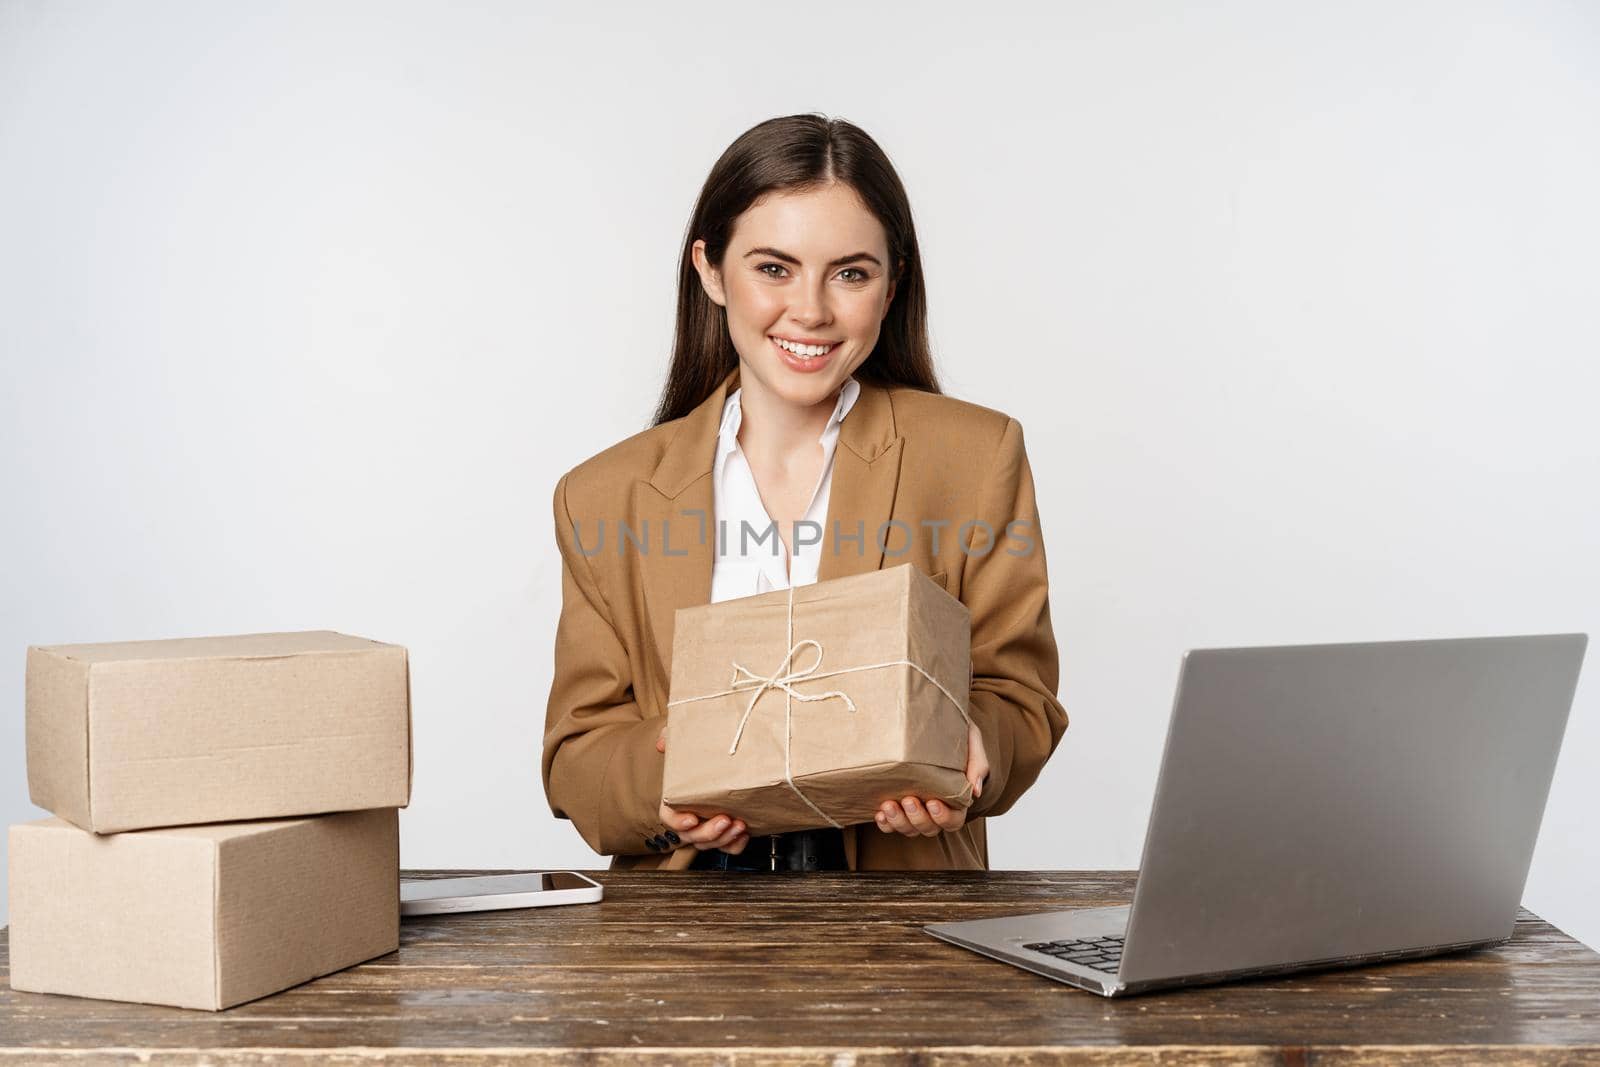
{"points": [[915, 818], [719, 831]]}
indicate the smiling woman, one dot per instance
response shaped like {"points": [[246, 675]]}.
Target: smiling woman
{"points": [[801, 328]]}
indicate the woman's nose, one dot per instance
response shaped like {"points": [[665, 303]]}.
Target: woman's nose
{"points": [[810, 312]]}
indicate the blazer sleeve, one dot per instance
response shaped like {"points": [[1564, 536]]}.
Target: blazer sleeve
{"points": [[1015, 667], [600, 766]]}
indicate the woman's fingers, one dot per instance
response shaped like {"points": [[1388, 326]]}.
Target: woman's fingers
{"points": [[898, 819], [977, 760], [735, 829], [708, 831], [701, 833], [715, 832], [945, 816], [918, 815], [661, 741], [737, 845], [914, 817], [911, 817], [677, 820]]}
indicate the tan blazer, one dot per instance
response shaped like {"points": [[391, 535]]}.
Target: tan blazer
{"points": [[903, 454]]}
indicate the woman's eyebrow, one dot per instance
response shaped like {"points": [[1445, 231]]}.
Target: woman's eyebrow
{"points": [[787, 258]]}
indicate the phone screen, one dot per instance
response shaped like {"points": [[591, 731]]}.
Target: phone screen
{"points": [[490, 885]]}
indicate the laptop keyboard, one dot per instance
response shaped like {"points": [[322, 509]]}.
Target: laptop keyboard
{"points": [[1101, 953]]}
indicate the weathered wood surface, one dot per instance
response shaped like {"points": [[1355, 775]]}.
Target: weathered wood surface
{"points": [[726, 966]]}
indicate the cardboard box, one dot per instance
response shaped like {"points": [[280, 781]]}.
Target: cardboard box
{"points": [[201, 916], [907, 735], [139, 734]]}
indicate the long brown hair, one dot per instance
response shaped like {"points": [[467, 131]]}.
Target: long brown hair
{"points": [[791, 154]]}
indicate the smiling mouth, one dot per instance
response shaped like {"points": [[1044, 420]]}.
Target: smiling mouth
{"points": [[803, 351]]}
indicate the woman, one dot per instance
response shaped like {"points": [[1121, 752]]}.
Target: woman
{"points": [[801, 401]]}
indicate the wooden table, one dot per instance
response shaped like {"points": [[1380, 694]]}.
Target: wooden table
{"points": [[722, 966]]}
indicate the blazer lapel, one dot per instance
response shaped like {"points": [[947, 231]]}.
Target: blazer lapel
{"points": [[866, 472], [675, 506]]}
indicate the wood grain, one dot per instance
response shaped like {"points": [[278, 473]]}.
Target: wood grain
{"points": [[706, 966]]}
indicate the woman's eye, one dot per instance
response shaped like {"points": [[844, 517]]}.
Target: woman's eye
{"points": [[862, 275]]}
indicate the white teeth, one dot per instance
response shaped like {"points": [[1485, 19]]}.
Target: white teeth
{"points": [[804, 351]]}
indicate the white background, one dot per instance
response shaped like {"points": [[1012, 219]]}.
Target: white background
{"points": [[305, 309]]}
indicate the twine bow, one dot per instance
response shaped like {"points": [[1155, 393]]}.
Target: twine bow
{"points": [[772, 681]]}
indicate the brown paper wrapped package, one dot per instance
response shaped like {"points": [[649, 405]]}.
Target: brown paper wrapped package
{"points": [[907, 734]]}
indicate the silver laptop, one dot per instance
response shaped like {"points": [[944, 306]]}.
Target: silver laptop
{"points": [[1323, 806]]}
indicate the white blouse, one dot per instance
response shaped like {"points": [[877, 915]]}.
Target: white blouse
{"points": [[742, 564]]}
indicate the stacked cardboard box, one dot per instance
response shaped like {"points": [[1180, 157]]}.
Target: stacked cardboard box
{"points": [[226, 822]]}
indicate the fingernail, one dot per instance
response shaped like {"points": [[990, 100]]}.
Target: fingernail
{"points": [[934, 806], [687, 821]]}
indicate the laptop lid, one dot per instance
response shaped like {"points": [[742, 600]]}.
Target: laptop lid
{"points": [[1317, 802]]}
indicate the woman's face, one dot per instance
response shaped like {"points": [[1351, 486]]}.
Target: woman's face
{"points": [[811, 268]]}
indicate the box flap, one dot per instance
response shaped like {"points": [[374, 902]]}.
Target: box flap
{"points": [[224, 831], [236, 646]]}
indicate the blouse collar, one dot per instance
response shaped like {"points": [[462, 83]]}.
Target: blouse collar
{"points": [[733, 415]]}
